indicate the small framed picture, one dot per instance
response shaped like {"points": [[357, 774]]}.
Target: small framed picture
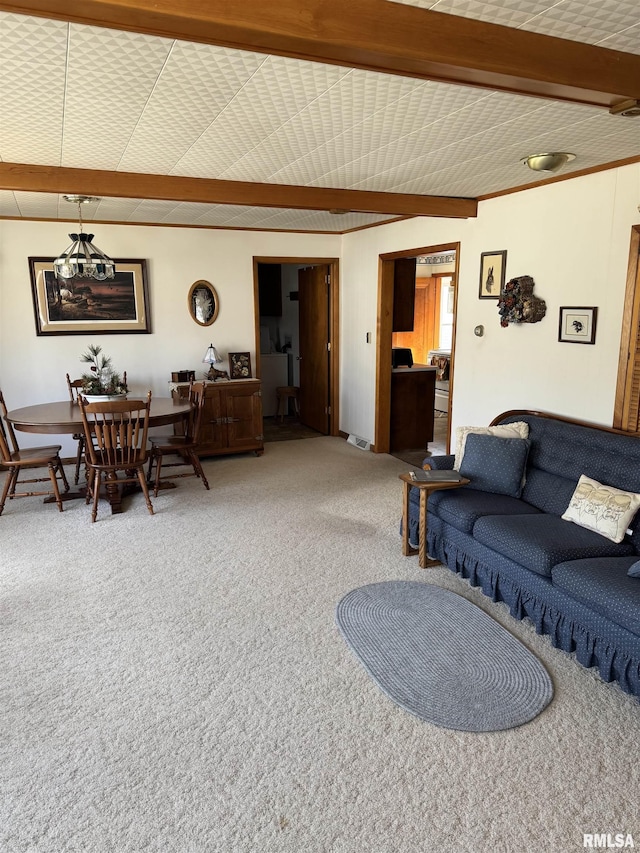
{"points": [[493, 266], [578, 325], [239, 365]]}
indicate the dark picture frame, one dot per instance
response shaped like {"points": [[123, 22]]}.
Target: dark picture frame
{"points": [[204, 304], [85, 306], [239, 365], [577, 325], [493, 268]]}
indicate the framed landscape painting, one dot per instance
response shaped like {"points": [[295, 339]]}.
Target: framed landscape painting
{"points": [[81, 306]]}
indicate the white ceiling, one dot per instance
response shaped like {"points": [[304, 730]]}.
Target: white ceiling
{"points": [[84, 97]]}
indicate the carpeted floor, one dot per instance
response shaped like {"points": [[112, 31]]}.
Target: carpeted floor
{"points": [[176, 683]]}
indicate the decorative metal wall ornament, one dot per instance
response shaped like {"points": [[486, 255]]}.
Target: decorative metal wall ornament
{"points": [[517, 304]]}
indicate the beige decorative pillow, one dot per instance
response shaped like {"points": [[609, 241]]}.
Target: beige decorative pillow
{"points": [[603, 509], [519, 429]]}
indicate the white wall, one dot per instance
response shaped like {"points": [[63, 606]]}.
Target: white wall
{"points": [[32, 368], [572, 237], [358, 307]]}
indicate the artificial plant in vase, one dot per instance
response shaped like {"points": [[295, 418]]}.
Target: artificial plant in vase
{"points": [[102, 381]]}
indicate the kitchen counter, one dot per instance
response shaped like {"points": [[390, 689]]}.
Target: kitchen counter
{"points": [[412, 406], [417, 368]]}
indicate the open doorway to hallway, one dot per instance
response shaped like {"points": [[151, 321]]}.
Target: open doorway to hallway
{"points": [[297, 345]]}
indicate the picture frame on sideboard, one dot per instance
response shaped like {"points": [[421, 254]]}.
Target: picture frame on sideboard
{"points": [[239, 365]]}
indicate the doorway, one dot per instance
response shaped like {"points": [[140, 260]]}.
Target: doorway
{"points": [[297, 342], [444, 299]]}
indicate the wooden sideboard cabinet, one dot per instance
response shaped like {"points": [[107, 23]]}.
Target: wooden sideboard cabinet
{"points": [[231, 418]]}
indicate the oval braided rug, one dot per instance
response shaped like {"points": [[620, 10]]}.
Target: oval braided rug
{"points": [[442, 658]]}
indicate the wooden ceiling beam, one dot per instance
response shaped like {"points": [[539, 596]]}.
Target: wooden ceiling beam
{"points": [[23, 177], [377, 35]]}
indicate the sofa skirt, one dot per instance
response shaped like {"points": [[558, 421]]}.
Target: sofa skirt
{"points": [[571, 626]]}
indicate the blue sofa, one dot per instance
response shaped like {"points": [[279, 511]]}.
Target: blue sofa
{"points": [[570, 581]]}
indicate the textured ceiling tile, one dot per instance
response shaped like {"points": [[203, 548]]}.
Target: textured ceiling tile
{"points": [[8, 204], [627, 40], [587, 21], [33, 57], [196, 84], [116, 209], [38, 206], [587, 34], [222, 214], [152, 210], [323, 220], [375, 137], [277, 91], [107, 67], [419, 107], [213, 112], [512, 13], [591, 21], [608, 16], [406, 157], [186, 213], [483, 174]]}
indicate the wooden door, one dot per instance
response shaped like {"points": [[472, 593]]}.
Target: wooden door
{"points": [[314, 313]]}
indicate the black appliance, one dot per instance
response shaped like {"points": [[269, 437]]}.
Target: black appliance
{"points": [[401, 357]]}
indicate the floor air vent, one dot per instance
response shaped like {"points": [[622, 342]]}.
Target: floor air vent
{"points": [[362, 443]]}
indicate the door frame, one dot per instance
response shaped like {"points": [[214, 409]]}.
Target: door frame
{"points": [[384, 331], [627, 358], [334, 323]]}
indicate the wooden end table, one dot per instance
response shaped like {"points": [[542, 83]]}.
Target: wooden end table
{"points": [[425, 488]]}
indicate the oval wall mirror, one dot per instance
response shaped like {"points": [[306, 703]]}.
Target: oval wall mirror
{"points": [[203, 302]]}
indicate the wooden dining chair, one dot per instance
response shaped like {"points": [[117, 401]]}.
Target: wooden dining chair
{"points": [[15, 460], [75, 390], [184, 446], [115, 434]]}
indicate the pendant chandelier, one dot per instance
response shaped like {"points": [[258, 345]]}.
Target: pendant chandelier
{"points": [[82, 259]]}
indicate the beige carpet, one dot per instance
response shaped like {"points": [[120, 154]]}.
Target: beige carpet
{"points": [[177, 684]]}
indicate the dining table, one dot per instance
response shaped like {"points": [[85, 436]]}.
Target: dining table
{"points": [[64, 418]]}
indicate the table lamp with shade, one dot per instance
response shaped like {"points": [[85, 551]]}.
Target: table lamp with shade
{"points": [[212, 357]]}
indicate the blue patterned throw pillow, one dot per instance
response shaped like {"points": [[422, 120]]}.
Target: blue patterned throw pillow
{"points": [[634, 570], [495, 464]]}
